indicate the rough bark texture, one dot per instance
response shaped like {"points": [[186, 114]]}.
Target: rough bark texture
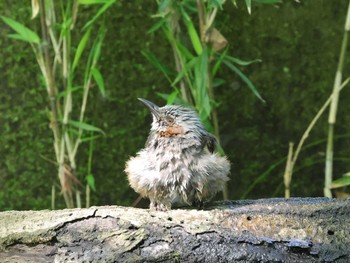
{"points": [[269, 230]]}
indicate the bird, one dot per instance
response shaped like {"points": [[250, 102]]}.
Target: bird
{"points": [[178, 165]]}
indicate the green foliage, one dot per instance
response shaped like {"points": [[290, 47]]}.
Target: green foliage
{"points": [[197, 62], [23, 33], [297, 43], [67, 133], [342, 181]]}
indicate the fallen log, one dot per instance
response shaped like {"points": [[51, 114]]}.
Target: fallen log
{"points": [[266, 230]]}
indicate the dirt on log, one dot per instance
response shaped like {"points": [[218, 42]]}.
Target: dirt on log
{"points": [[267, 230]]}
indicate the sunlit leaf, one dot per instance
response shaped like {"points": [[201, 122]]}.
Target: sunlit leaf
{"points": [[35, 8], [80, 49], [172, 97], [244, 78], [24, 33], [99, 80], [90, 179], [234, 3], [249, 5], [99, 13], [84, 126], [341, 182]]}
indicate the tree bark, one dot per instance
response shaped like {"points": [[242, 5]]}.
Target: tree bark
{"points": [[267, 230]]}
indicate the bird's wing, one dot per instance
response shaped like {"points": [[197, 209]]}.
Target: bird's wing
{"points": [[210, 142]]}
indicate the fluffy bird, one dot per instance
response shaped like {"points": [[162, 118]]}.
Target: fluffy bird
{"points": [[178, 164]]}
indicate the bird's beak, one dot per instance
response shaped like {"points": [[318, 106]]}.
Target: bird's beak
{"points": [[153, 108]]}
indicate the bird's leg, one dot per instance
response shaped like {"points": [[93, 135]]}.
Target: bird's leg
{"points": [[165, 205], [157, 205], [153, 204]]}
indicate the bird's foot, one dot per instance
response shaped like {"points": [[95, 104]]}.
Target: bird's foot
{"points": [[156, 206]]}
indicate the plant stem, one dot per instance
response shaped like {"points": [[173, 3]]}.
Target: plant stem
{"points": [[52, 93], [50, 83], [174, 29], [53, 197], [311, 125], [333, 109], [87, 196], [288, 171]]}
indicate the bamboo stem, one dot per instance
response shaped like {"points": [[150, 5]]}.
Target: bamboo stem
{"points": [[203, 27], [311, 125], [50, 83], [288, 171], [53, 197], [333, 109], [52, 93], [87, 196]]}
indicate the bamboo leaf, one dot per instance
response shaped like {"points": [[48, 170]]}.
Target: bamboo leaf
{"points": [[24, 33], [189, 66], [249, 5], [242, 62], [244, 78], [96, 50], [216, 4], [172, 97], [99, 13], [164, 6], [156, 26], [90, 179], [92, 2], [218, 62], [84, 126], [90, 138], [80, 48], [65, 92], [156, 63], [268, 1], [218, 82], [184, 51], [99, 80], [341, 182], [17, 36], [195, 39], [35, 8]]}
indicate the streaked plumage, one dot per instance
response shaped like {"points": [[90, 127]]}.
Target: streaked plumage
{"points": [[177, 164]]}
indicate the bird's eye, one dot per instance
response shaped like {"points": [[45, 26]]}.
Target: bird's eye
{"points": [[169, 120]]}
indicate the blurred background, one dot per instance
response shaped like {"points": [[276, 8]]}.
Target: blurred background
{"points": [[298, 43]]}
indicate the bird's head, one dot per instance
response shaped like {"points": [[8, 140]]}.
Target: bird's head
{"points": [[175, 121]]}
